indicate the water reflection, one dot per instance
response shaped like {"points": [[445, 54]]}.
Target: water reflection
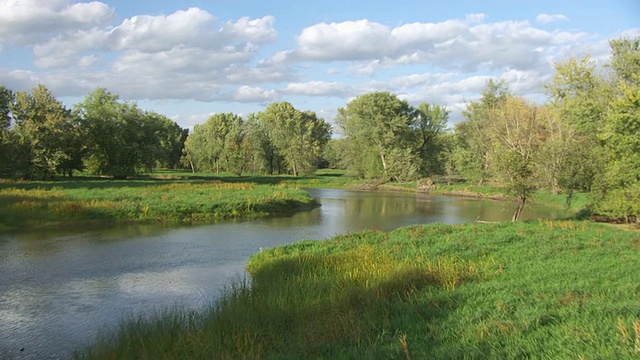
{"points": [[58, 288]]}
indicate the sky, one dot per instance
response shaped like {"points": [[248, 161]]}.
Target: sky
{"points": [[189, 59]]}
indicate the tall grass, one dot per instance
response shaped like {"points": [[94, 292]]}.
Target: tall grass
{"points": [[548, 289], [139, 201]]}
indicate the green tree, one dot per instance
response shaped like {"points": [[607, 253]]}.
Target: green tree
{"points": [[207, 145], [430, 122], [472, 140], [122, 140], [262, 155], [6, 138], [617, 187], [625, 60], [380, 140], [515, 133], [298, 136], [579, 96], [46, 134]]}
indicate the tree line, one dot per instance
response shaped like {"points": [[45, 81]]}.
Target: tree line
{"points": [[585, 137]]}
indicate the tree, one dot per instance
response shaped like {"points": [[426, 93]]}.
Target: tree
{"points": [[625, 60], [515, 134], [381, 142], [298, 136], [579, 96], [618, 190], [122, 140], [617, 187], [262, 155], [46, 133], [207, 145], [472, 143], [429, 124], [6, 138]]}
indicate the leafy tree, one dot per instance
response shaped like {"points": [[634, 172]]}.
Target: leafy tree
{"points": [[6, 138], [515, 133], [262, 155], [625, 60], [472, 141], [171, 137], [207, 145], [46, 133], [298, 136], [381, 142], [122, 140], [580, 96], [430, 122], [618, 186]]}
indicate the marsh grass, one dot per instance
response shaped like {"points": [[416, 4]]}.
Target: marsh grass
{"points": [[59, 203], [548, 289]]}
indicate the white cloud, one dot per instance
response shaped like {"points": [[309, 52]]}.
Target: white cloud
{"points": [[318, 88], [550, 18], [27, 22], [467, 45], [253, 94]]}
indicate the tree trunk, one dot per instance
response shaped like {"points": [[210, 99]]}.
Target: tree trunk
{"points": [[384, 166], [521, 201], [193, 169]]}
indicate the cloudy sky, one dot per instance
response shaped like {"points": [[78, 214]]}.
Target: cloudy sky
{"points": [[188, 59]]}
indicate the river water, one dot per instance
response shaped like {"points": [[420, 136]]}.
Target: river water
{"points": [[59, 289]]}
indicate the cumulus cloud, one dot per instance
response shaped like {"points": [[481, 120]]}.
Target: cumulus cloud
{"points": [[318, 88], [253, 94], [469, 44], [26, 22], [550, 18], [189, 54]]}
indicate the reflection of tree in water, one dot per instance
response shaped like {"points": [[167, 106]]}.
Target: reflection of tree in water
{"points": [[374, 208]]}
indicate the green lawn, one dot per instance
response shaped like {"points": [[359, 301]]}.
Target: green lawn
{"points": [[536, 290]]}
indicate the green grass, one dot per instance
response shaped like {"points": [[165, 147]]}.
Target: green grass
{"points": [[60, 203], [537, 290]]}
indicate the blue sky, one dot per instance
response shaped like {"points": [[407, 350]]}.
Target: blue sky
{"points": [[189, 59]]}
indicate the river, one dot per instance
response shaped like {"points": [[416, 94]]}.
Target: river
{"points": [[58, 289]]}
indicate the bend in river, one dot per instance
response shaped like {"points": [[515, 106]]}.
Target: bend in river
{"points": [[59, 289]]}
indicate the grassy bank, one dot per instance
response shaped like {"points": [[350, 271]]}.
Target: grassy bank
{"points": [[60, 203], [548, 289]]}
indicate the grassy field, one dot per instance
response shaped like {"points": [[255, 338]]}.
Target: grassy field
{"points": [[72, 202], [536, 290]]}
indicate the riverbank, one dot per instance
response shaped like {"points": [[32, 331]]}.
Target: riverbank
{"points": [[543, 289], [81, 202]]}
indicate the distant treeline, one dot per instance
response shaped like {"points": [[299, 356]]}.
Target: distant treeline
{"points": [[586, 137]]}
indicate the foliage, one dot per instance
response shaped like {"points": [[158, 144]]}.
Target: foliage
{"points": [[472, 143], [46, 137], [299, 137], [121, 139], [6, 138], [549, 289], [579, 97], [386, 138], [514, 130], [208, 144]]}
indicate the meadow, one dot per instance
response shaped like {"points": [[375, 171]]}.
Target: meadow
{"points": [[536, 290], [172, 201]]}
